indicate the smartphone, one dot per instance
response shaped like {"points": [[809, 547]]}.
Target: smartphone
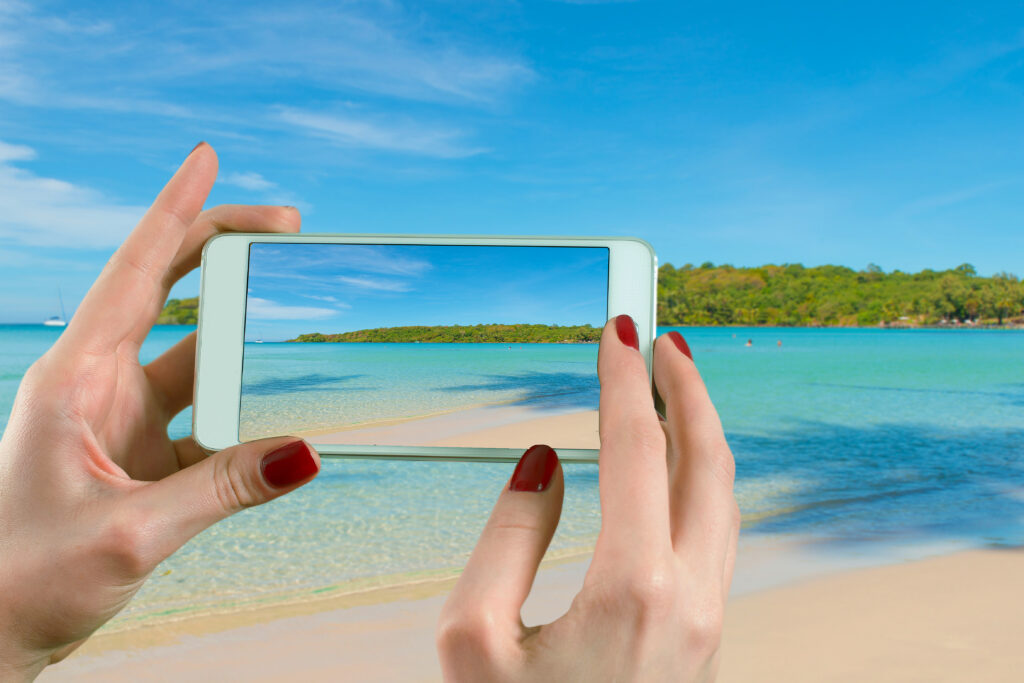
{"points": [[415, 347]]}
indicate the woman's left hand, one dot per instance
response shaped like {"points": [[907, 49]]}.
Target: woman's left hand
{"points": [[93, 492]]}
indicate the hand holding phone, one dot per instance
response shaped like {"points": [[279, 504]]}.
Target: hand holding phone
{"points": [[95, 494], [652, 603], [450, 347]]}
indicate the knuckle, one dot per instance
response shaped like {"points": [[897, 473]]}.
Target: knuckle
{"points": [[123, 544], [642, 432], [652, 593], [234, 487], [703, 631], [722, 463], [123, 258], [735, 516], [459, 633]]}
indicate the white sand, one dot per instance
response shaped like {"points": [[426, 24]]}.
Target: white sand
{"points": [[504, 426]]}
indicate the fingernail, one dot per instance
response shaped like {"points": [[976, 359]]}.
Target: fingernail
{"points": [[201, 143], [535, 469], [626, 329], [288, 464], [680, 343]]}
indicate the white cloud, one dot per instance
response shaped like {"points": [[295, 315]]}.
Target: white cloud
{"points": [[393, 136], [329, 299], [37, 210], [50, 60], [374, 284], [264, 309], [10, 152], [248, 181]]}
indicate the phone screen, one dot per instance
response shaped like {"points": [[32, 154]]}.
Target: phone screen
{"points": [[423, 345]]}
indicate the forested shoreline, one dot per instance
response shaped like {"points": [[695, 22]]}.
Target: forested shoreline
{"points": [[473, 334], [789, 295], [835, 296]]}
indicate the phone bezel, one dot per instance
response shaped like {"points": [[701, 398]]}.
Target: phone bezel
{"points": [[632, 289]]}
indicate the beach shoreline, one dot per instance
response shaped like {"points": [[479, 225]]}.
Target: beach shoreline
{"points": [[483, 426], [834, 622]]}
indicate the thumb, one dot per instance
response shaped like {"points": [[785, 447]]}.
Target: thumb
{"points": [[488, 597], [189, 501]]}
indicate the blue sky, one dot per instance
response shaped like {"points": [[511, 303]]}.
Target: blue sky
{"points": [[732, 132], [300, 288]]}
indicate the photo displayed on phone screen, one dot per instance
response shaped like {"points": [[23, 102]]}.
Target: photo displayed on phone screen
{"points": [[423, 345]]}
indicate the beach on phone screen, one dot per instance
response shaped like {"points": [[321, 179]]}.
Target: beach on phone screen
{"points": [[424, 345]]}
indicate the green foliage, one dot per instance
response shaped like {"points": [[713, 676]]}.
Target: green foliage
{"points": [[180, 312], [787, 295], [502, 334], [834, 296]]}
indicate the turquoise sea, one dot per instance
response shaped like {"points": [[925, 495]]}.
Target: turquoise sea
{"points": [[848, 436], [295, 388]]}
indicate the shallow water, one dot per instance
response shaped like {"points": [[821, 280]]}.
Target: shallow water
{"points": [[289, 388], [867, 436]]}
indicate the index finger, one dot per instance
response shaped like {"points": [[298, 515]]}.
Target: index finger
{"points": [[127, 292], [228, 218], [224, 218], [633, 474]]}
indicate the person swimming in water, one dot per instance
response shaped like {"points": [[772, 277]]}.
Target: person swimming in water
{"points": [[750, 342]]}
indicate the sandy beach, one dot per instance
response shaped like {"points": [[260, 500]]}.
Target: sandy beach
{"points": [[500, 426], [949, 618]]}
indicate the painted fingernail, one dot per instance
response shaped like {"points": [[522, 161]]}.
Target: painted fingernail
{"points": [[535, 469], [288, 464], [201, 143], [680, 343], [626, 329]]}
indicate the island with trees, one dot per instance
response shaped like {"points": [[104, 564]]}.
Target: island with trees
{"points": [[773, 295], [180, 312], [835, 296], [470, 334]]}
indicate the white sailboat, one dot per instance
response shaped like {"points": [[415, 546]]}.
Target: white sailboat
{"points": [[57, 321]]}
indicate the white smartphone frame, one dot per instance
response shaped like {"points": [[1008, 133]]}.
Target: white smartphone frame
{"points": [[632, 289]]}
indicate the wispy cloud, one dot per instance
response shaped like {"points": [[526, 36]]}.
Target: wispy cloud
{"points": [[284, 261], [375, 284], [248, 181], [952, 197], [264, 309], [393, 136], [44, 211], [333, 300], [374, 48]]}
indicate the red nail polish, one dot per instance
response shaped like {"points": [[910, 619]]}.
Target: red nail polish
{"points": [[288, 464], [680, 343], [535, 469], [626, 329]]}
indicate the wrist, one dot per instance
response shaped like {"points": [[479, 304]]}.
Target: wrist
{"points": [[16, 664], [12, 671]]}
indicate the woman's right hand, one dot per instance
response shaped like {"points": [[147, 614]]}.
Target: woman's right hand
{"points": [[652, 601], [93, 492]]}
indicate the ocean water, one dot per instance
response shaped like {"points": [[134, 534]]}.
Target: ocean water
{"points": [[847, 436], [289, 388]]}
